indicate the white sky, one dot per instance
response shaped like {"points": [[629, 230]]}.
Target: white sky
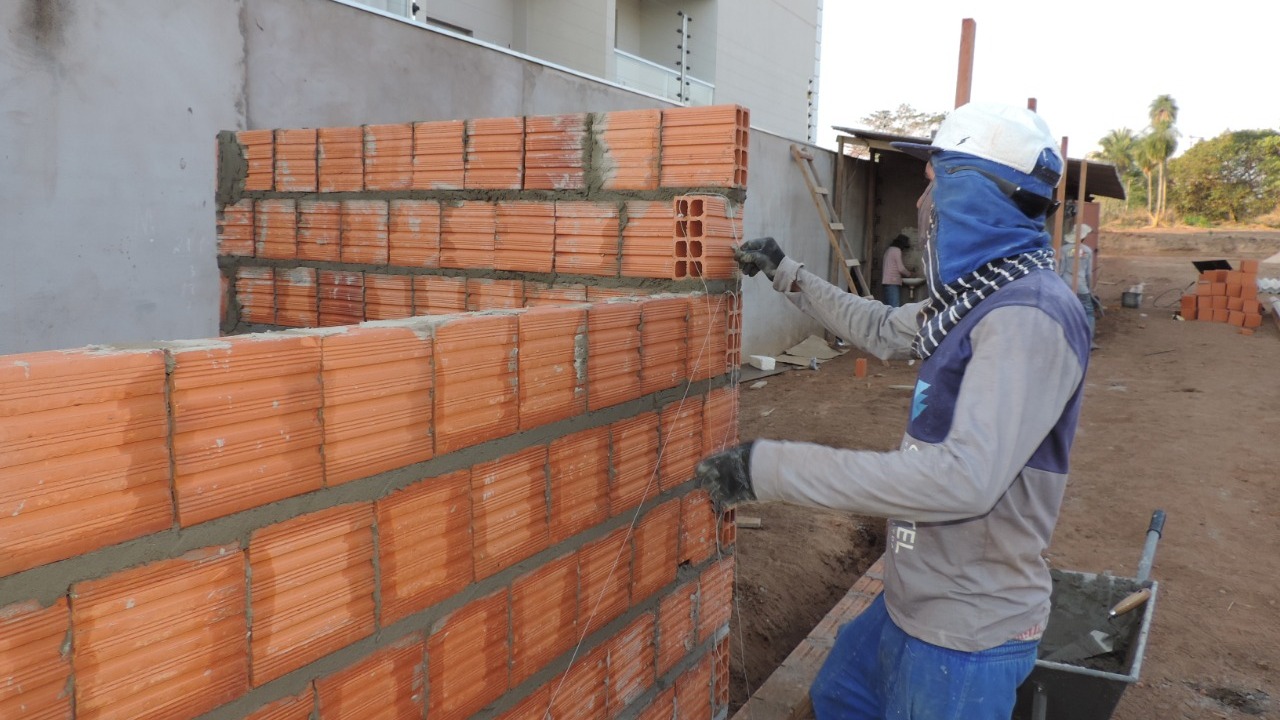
{"points": [[1092, 65]]}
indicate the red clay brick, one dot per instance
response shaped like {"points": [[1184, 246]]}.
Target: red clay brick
{"points": [[552, 365], [1252, 320], [387, 684], [604, 568], [495, 154], [297, 297], [414, 233], [538, 295], [720, 420], [706, 230], [84, 460], [489, 294], [162, 640], [575, 694], [635, 462], [579, 482], [275, 224], [697, 528], [587, 238], [377, 401], [364, 232], [629, 141], [554, 152], [664, 346], [476, 393], [693, 691], [657, 546], [720, 675], [1249, 266], [246, 423], [235, 229], [648, 240], [715, 598], [467, 234], [439, 295], [387, 297], [35, 670], [675, 626], [728, 528], [388, 156], [259, 153], [438, 155], [1235, 317], [298, 707], [1221, 315], [663, 707], [295, 160], [708, 336], [341, 297], [681, 432], [311, 588], [525, 239], [704, 146], [319, 230], [341, 159], [613, 354], [256, 295], [424, 543], [1235, 303], [544, 616], [467, 658], [631, 664], [509, 510]]}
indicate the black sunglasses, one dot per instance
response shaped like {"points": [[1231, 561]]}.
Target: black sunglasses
{"points": [[1031, 204]]}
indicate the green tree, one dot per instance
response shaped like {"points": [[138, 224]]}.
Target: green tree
{"points": [[1164, 142], [1118, 148], [1147, 156], [1233, 177], [905, 120]]}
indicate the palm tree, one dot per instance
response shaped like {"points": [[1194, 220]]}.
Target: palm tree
{"points": [[1164, 114], [1118, 148], [1147, 156]]}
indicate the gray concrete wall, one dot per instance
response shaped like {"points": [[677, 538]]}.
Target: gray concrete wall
{"points": [[111, 108]]}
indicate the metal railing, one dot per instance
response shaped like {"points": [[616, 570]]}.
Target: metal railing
{"points": [[636, 72]]}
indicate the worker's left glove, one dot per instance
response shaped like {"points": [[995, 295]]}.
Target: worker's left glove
{"points": [[726, 475], [759, 254]]}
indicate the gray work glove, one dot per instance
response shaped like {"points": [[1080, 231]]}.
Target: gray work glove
{"points": [[759, 254], [726, 475]]}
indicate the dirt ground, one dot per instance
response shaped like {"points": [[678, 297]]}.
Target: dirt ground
{"points": [[1183, 416]]}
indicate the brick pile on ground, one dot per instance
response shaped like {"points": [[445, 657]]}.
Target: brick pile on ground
{"points": [[1226, 296]]}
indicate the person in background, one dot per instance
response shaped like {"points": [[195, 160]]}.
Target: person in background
{"points": [[894, 270], [1067, 269]]}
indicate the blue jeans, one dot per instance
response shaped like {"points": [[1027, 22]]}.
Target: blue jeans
{"points": [[1086, 301], [893, 295], [876, 672]]}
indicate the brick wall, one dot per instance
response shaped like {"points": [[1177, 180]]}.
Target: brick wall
{"points": [[1226, 296], [403, 507]]}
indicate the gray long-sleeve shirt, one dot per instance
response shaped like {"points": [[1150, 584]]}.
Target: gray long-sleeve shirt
{"points": [[973, 503]]}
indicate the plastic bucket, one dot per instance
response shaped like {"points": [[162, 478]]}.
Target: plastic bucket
{"points": [[1131, 299]]}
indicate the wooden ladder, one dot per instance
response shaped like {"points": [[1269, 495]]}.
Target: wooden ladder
{"points": [[822, 200]]}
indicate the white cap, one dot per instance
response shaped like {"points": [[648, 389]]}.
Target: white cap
{"points": [[1004, 134]]}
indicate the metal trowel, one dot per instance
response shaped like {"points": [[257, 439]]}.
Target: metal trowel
{"points": [[1102, 640]]}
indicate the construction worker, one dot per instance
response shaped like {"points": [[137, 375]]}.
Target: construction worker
{"points": [[972, 494]]}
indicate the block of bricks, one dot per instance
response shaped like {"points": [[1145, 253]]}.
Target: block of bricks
{"points": [[467, 234], [1252, 320], [676, 626], [236, 229], [587, 238], [167, 639], [697, 528], [577, 692], [1188, 306], [1233, 277], [468, 653], [662, 707], [552, 365], [720, 420], [1251, 306], [424, 544], [635, 462], [708, 336], [439, 295], [720, 676], [1219, 289], [82, 453], [733, 341], [1235, 303], [525, 238], [490, 294], [1219, 302], [554, 151], [364, 232], [388, 156], [706, 230], [387, 297], [438, 155], [377, 401], [1221, 315], [630, 665], [295, 160], [1204, 288], [414, 233], [36, 671], [256, 295], [540, 295], [544, 616], [604, 580], [259, 154], [509, 510], [246, 422], [1235, 317], [476, 393], [578, 467], [341, 297], [648, 240], [1249, 266], [389, 683], [664, 346], [1234, 289], [276, 229], [693, 691], [657, 550], [340, 159], [715, 589], [628, 142], [494, 154], [297, 297], [705, 146], [312, 588], [680, 424], [613, 354], [1204, 307], [1249, 288], [319, 230]]}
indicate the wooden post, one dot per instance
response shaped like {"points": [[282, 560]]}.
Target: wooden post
{"points": [[964, 79], [1062, 197], [869, 224], [1084, 175]]}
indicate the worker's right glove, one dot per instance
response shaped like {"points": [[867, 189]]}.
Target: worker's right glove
{"points": [[726, 475], [759, 254]]}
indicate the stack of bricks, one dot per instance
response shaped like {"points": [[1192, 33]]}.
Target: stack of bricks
{"points": [[1226, 296], [441, 513], [389, 221]]}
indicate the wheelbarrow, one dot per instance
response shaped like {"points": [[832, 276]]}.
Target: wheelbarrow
{"points": [[1089, 686]]}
